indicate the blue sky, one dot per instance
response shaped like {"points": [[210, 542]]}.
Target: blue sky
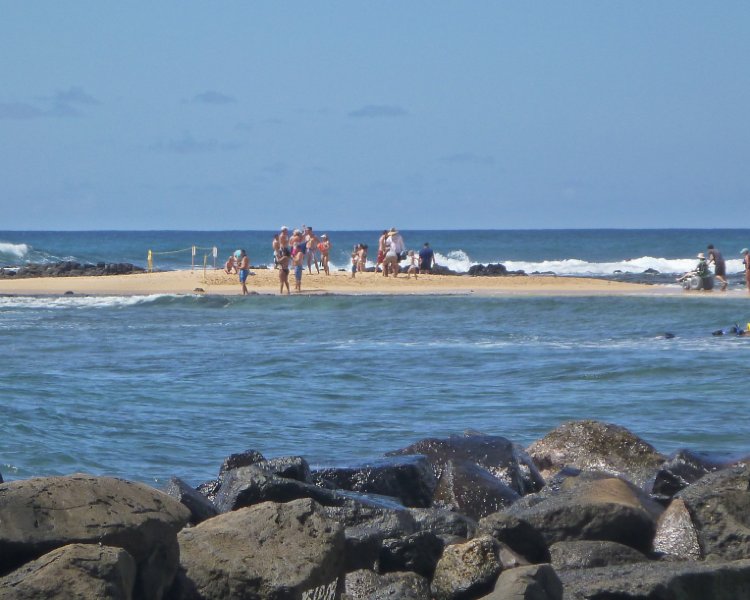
{"points": [[360, 115]]}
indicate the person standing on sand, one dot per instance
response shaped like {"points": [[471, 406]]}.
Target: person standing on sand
{"points": [[276, 246], [284, 237], [324, 247], [297, 261], [381, 251], [426, 259], [244, 270], [284, 260], [311, 240], [390, 264], [720, 267], [746, 262]]}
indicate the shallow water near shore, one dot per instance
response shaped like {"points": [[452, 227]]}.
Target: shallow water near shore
{"points": [[148, 387]]}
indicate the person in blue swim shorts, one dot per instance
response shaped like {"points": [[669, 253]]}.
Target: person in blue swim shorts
{"points": [[243, 268]]}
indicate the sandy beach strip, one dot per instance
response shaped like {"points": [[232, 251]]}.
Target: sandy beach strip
{"points": [[266, 281]]}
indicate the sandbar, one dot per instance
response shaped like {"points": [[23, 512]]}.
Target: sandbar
{"points": [[266, 281]]}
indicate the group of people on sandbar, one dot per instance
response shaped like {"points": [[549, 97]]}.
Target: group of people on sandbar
{"points": [[303, 246], [703, 274]]}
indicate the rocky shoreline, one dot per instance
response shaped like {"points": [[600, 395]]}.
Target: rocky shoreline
{"points": [[590, 511], [68, 268]]}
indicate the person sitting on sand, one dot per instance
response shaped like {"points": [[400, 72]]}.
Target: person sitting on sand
{"points": [[413, 267], [284, 260], [231, 265], [324, 247], [244, 270]]}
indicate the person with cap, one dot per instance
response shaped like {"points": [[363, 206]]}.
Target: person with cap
{"points": [[720, 267], [746, 263], [397, 243]]}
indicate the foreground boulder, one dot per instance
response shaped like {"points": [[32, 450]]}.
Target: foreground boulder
{"points": [[269, 551], [586, 554], [41, 514], [676, 535], [536, 582], [518, 535], [74, 571], [505, 460], [660, 581], [719, 508], [368, 585], [200, 507], [467, 570], [408, 478], [595, 446], [590, 508]]}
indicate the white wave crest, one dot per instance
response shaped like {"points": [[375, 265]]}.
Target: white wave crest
{"points": [[57, 302], [17, 250], [574, 266]]}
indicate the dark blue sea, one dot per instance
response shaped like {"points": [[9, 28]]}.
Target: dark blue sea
{"points": [[148, 387]]}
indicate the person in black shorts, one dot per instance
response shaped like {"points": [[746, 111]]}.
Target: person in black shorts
{"points": [[720, 267]]}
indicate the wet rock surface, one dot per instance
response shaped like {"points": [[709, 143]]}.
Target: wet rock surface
{"points": [[490, 527], [69, 269]]}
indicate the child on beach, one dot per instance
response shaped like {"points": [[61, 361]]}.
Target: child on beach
{"points": [[231, 265], [413, 265], [355, 260]]}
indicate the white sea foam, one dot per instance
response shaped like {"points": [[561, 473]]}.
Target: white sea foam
{"points": [[573, 266], [17, 250], [55, 302]]}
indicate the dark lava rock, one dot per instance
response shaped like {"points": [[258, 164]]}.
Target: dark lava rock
{"points": [[241, 459], [519, 535], [660, 581], [73, 571], [368, 585], [408, 478], [719, 506], [467, 570], [471, 490], [680, 470], [536, 582], [444, 523], [490, 270], [587, 554], [273, 551], [593, 509], [70, 269], [418, 552], [290, 467], [501, 457], [200, 507], [595, 446]]}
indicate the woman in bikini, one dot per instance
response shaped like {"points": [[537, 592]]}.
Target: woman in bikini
{"points": [[284, 258], [324, 247]]}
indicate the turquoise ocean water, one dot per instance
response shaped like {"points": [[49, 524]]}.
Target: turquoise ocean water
{"points": [[147, 387]]}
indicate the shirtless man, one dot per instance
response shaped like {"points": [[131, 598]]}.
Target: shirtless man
{"points": [[284, 237], [311, 240], [297, 260], [244, 270], [381, 251], [276, 246]]}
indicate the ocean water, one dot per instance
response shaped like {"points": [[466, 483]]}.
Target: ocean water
{"points": [[153, 386]]}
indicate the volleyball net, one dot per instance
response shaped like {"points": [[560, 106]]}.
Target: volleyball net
{"points": [[194, 252]]}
